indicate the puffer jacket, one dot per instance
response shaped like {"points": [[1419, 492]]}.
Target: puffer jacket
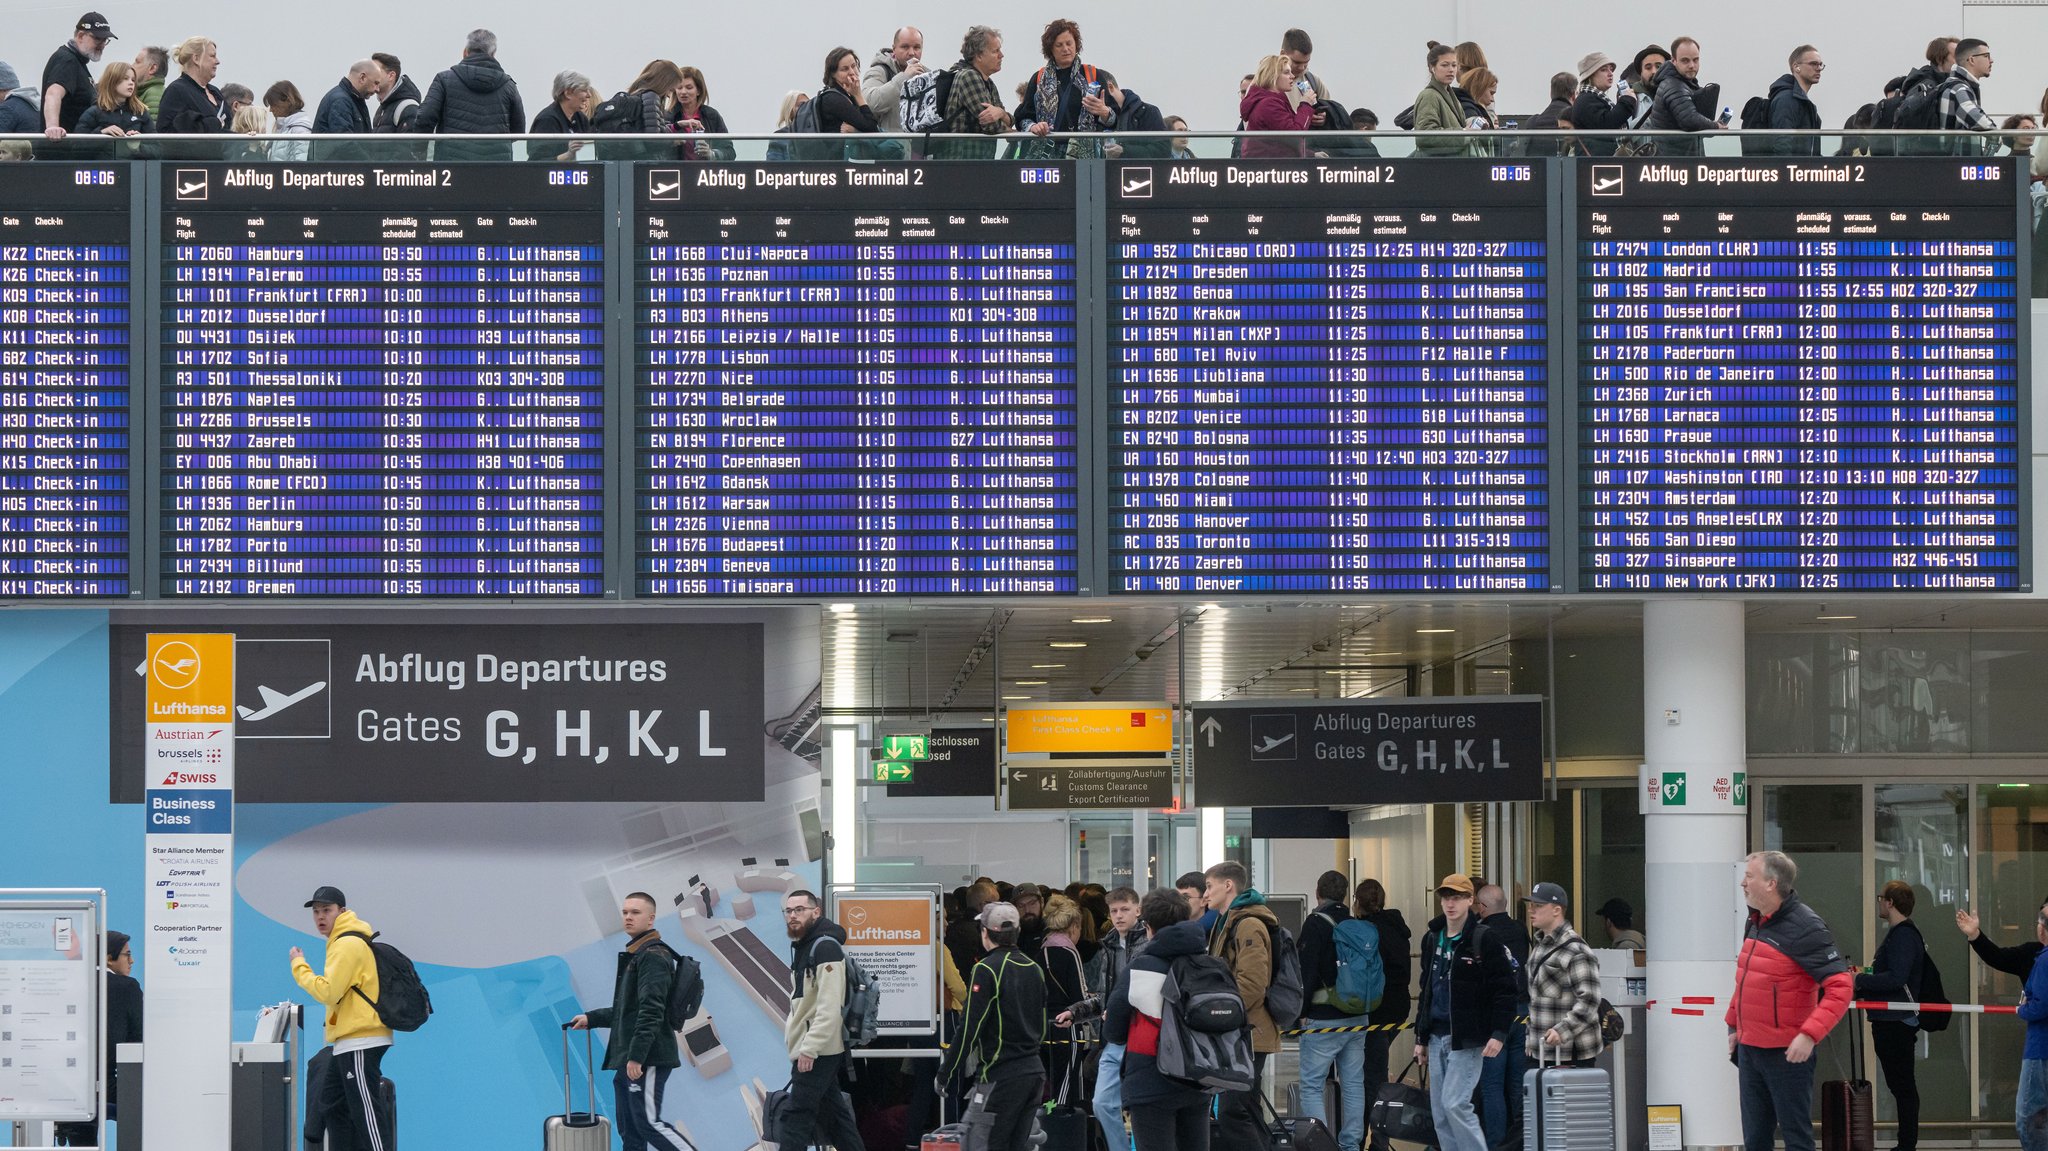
{"points": [[1673, 108], [1395, 940], [1244, 939], [1790, 978], [350, 965], [473, 98], [1136, 1006], [638, 1016]]}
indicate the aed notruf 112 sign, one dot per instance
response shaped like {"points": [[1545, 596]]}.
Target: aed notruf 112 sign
{"points": [[1280, 753]]}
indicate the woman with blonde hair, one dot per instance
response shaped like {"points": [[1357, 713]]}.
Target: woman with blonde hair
{"points": [[1276, 101], [1477, 89], [252, 121], [117, 111], [191, 103], [785, 121], [643, 108], [1065, 984]]}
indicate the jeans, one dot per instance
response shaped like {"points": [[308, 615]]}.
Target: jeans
{"points": [[1161, 1127], [819, 1112], [1347, 1051], [1500, 1086], [638, 1111], [1452, 1077], [1109, 1095], [1895, 1043], [1777, 1099], [2030, 1105]]}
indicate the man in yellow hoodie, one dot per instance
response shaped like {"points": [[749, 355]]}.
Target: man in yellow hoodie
{"points": [[347, 1095]]}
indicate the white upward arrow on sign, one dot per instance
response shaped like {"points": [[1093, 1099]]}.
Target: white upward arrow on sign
{"points": [[1210, 727]]}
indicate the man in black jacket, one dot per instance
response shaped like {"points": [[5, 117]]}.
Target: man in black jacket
{"points": [[1000, 1039], [474, 98], [346, 110], [1345, 1050], [1500, 1083], [1895, 974], [641, 1049], [1603, 105], [1792, 107], [1464, 1012]]}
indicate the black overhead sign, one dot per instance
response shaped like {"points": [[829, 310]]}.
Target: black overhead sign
{"points": [[1285, 753], [1117, 784], [476, 713], [962, 762]]}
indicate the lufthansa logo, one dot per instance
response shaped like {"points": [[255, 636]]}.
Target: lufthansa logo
{"points": [[856, 915], [174, 666]]}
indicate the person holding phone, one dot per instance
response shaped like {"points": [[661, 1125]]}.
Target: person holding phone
{"points": [[1277, 101], [1066, 95]]}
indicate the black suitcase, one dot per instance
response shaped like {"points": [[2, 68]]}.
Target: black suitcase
{"points": [[1066, 1124], [1847, 1107], [1402, 1111], [1294, 1132]]}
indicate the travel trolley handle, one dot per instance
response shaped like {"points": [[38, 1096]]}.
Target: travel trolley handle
{"points": [[589, 1066]]}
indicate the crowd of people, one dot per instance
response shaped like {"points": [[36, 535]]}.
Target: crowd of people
{"points": [[1064, 107]]}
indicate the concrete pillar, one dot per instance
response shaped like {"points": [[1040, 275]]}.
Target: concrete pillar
{"points": [[1693, 737]]}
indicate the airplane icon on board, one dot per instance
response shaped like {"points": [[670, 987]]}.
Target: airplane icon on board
{"points": [[275, 701], [1272, 741]]}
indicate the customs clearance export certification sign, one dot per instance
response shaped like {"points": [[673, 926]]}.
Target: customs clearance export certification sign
{"points": [[189, 841]]}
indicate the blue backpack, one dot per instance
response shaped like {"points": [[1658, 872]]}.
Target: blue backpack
{"points": [[1361, 977]]}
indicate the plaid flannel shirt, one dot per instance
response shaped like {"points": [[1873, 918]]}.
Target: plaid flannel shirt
{"points": [[1564, 993], [970, 91], [1960, 112]]}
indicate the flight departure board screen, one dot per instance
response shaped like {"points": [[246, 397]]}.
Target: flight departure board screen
{"points": [[855, 379], [1329, 376], [1801, 375], [64, 360], [382, 380]]}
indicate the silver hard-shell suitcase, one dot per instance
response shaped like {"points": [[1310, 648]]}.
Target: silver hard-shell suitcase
{"points": [[577, 1130], [1566, 1108]]}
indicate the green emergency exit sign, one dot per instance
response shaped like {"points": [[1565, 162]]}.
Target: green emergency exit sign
{"points": [[886, 771], [906, 749]]}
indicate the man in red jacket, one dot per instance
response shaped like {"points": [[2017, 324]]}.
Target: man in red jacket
{"points": [[1791, 987]]}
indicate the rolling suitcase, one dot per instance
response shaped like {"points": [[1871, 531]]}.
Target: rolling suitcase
{"points": [[577, 1130], [1566, 1108], [1294, 1132], [1847, 1115], [1065, 1124]]}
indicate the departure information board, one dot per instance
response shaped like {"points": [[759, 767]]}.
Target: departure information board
{"points": [[855, 379], [1329, 376], [383, 380], [1801, 375], [64, 364]]}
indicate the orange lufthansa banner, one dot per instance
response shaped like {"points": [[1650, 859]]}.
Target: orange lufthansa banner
{"points": [[1091, 728], [190, 677], [876, 920]]}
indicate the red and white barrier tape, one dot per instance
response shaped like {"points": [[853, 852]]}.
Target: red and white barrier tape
{"points": [[1695, 1005]]}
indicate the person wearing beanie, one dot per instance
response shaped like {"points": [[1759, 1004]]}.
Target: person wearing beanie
{"points": [[1602, 105], [20, 108]]}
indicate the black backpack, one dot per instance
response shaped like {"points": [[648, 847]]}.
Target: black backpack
{"points": [[1205, 1038], [1919, 110], [1931, 992], [624, 112], [404, 1004], [685, 990], [1756, 118], [806, 120]]}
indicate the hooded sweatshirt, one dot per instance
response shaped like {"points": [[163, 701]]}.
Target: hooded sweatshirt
{"points": [[817, 973], [22, 111], [350, 965], [1244, 939], [472, 98]]}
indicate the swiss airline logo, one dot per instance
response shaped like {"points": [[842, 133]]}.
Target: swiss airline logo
{"points": [[177, 778]]}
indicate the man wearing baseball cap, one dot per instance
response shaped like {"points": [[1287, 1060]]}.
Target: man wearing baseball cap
{"points": [[67, 82], [348, 1096], [1464, 1013], [1564, 984], [1004, 1026]]}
